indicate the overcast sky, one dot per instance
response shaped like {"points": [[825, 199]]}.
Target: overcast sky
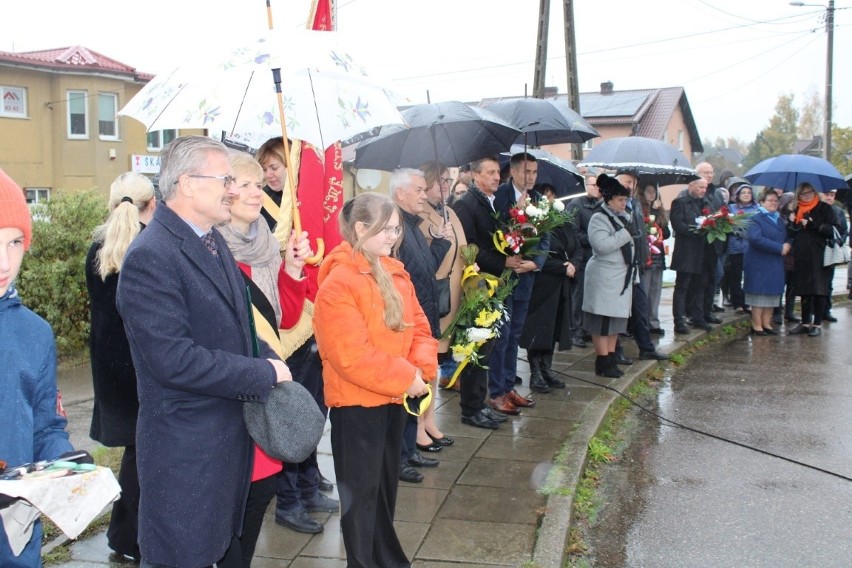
{"points": [[733, 57]]}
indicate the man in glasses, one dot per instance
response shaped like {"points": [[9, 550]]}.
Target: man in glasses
{"points": [[421, 260], [183, 303]]}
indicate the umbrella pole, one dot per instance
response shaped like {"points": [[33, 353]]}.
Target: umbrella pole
{"points": [[297, 220]]}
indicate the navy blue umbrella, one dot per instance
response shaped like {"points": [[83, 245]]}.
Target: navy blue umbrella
{"points": [[787, 171]]}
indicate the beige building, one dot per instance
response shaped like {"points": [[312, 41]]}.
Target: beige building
{"points": [[59, 126]]}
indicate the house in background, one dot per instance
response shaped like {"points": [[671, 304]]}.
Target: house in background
{"points": [[662, 114], [59, 125]]}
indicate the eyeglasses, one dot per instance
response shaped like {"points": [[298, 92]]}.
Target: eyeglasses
{"points": [[448, 181], [226, 180], [391, 232]]}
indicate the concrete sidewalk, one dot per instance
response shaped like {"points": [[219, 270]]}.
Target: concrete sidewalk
{"points": [[483, 505]]}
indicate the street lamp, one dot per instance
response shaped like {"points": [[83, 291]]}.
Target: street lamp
{"points": [[829, 57]]}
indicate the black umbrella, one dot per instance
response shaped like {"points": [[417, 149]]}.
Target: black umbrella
{"points": [[653, 160], [561, 174], [544, 121], [451, 132]]}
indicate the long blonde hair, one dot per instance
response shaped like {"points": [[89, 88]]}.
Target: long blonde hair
{"points": [[374, 210], [129, 194]]}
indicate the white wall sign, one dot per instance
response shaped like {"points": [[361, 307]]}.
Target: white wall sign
{"points": [[143, 164]]}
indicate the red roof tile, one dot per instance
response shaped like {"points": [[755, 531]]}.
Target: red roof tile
{"points": [[74, 58]]}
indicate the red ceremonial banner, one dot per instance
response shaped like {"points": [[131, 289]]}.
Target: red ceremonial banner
{"points": [[320, 176]]}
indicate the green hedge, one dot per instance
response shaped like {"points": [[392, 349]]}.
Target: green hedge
{"points": [[53, 281]]}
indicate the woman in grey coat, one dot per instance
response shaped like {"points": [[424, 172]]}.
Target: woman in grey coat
{"points": [[610, 274]]}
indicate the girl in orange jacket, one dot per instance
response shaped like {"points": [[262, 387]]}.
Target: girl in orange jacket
{"points": [[376, 347]]}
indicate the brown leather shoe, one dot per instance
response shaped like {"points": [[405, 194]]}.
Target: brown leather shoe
{"points": [[518, 400], [502, 404]]}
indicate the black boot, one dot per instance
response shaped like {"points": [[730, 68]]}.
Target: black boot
{"points": [[603, 368], [552, 381], [613, 365], [537, 383]]}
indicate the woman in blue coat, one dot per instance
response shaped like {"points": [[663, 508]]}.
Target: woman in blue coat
{"points": [[764, 264]]}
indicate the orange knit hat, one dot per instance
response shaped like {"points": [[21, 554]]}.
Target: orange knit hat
{"points": [[13, 208]]}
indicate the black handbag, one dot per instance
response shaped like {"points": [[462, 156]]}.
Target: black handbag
{"points": [[443, 296]]}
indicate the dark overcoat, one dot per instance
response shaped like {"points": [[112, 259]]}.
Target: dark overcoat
{"points": [[186, 319], [421, 260], [763, 265], [549, 316], [689, 248], [479, 222], [810, 277], [113, 377]]}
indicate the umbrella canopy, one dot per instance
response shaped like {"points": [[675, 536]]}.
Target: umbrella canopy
{"points": [[561, 174], [789, 170], [451, 132], [328, 96], [653, 160], [543, 121]]}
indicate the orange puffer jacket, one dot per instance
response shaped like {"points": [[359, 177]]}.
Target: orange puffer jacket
{"points": [[365, 363]]}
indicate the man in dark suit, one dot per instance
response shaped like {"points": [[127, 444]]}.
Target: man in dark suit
{"points": [[503, 363], [478, 217], [694, 271], [183, 303]]}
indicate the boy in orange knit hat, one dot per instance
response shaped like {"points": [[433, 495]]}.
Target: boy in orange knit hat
{"points": [[33, 428]]}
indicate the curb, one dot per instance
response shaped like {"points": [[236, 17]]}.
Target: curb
{"points": [[554, 531]]}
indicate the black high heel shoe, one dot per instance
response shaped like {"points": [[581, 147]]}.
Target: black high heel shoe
{"points": [[770, 331], [443, 441], [758, 332], [433, 447]]}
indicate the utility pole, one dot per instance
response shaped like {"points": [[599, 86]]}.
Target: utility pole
{"points": [[541, 49], [571, 62], [829, 57]]}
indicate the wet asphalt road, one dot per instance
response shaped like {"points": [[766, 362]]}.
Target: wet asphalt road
{"points": [[679, 499]]}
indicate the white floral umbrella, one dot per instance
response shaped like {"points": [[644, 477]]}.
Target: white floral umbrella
{"points": [[327, 95]]}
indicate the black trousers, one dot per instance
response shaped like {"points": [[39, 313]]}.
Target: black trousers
{"points": [[300, 482], [473, 385], [123, 531], [688, 297], [734, 279], [813, 309], [260, 494], [638, 323], [366, 444]]}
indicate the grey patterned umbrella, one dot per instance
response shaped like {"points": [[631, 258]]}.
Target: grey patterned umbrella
{"points": [[649, 158]]}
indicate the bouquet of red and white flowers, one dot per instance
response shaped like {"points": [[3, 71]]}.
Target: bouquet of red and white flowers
{"points": [[717, 226], [528, 222]]}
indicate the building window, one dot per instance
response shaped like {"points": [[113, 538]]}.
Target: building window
{"points": [[589, 144], [14, 102], [107, 109], [37, 195], [159, 138], [78, 115], [680, 140]]}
